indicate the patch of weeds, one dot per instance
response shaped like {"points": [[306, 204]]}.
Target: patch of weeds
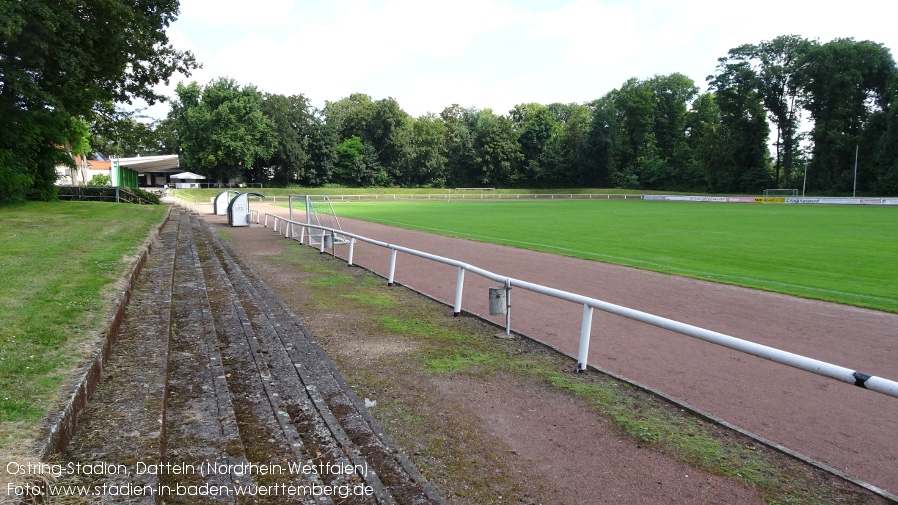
{"points": [[370, 300], [458, 360], [226, 235], [330, 280], [419, 328]]}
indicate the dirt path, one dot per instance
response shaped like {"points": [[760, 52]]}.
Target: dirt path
{"points": [[850, 429]]}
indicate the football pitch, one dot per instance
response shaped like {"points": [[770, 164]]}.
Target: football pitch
{"points": [[836, 253]]}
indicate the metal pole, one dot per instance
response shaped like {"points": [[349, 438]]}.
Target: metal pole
{"points": [[392, 267], [585, 330], [459, 286], [805, 183], [351, 247], [507, 307], [854, 191]]}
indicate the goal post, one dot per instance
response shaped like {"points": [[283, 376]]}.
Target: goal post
{"points": [[317, 210], [472, 193], [780, 192]]}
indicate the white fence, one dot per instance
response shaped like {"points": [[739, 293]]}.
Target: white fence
{"points": [[873, 383]]}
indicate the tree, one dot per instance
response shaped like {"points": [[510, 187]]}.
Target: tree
{"points": [[537, 128], [116, 132], [321, 148], [496, 150], [570, 147], [777, 63], [846, 82], [356, 165], [427, 160], [292, 119], [459, 141], [222, 131], [744, 163], [58, 61], [604, 144]]}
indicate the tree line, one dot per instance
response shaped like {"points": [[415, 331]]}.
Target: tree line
{"points": [[773, 112]]}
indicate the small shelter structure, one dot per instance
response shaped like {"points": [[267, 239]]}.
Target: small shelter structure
{"points": [[186, 180]]}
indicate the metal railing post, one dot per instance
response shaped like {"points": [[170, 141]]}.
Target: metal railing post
{"points": [[392, 267], [459, 286], [585, 330], [351, 247], [507, 307]]}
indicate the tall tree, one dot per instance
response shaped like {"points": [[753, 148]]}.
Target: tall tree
{"points": [[744, 131], [846, 83], [570, 147], [537, 131], [58, 60], [604, 144], [222, 130], [496, 150], [459, 143], [291, 118], [777, 63], [427, 161]]}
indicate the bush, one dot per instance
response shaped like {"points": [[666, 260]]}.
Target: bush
{"points": [[100, 180], [146, 195]]}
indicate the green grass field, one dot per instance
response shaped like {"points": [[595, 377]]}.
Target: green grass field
{"points": [[57, 261], [841, 254]]}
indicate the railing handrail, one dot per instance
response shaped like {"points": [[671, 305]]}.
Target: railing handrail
{"points": [[843, 374]]}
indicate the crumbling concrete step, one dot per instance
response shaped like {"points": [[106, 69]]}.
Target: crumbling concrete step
{"points": [[291, 353], [264, 424], [200, 423]]}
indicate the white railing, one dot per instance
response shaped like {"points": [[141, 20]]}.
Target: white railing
{"points": [[873, 383]]}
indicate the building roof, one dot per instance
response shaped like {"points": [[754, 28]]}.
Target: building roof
{"points": [[143, 164], [93, 164]]}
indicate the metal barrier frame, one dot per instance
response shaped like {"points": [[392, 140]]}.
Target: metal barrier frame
{"points": [[843, 374]]}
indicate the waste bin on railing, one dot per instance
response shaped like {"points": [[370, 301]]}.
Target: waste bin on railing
{"points": [[498, 307]]}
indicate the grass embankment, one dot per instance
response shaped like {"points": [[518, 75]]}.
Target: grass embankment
{"points": [[58, 262], [844, 254], [429, 342]]}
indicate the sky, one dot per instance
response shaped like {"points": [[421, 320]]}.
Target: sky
{"points": [[430, 54]]}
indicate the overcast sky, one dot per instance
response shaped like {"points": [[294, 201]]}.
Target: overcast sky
{"points": [[490, 53]]}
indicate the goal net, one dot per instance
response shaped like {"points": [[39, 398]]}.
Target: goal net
{"points": [[316, 210]]}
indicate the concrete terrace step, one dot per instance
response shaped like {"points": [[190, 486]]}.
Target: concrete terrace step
{"points": [[297, 364], [214, 382]]}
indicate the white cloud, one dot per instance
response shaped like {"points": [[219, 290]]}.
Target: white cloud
{"points": [[237, 12]]}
